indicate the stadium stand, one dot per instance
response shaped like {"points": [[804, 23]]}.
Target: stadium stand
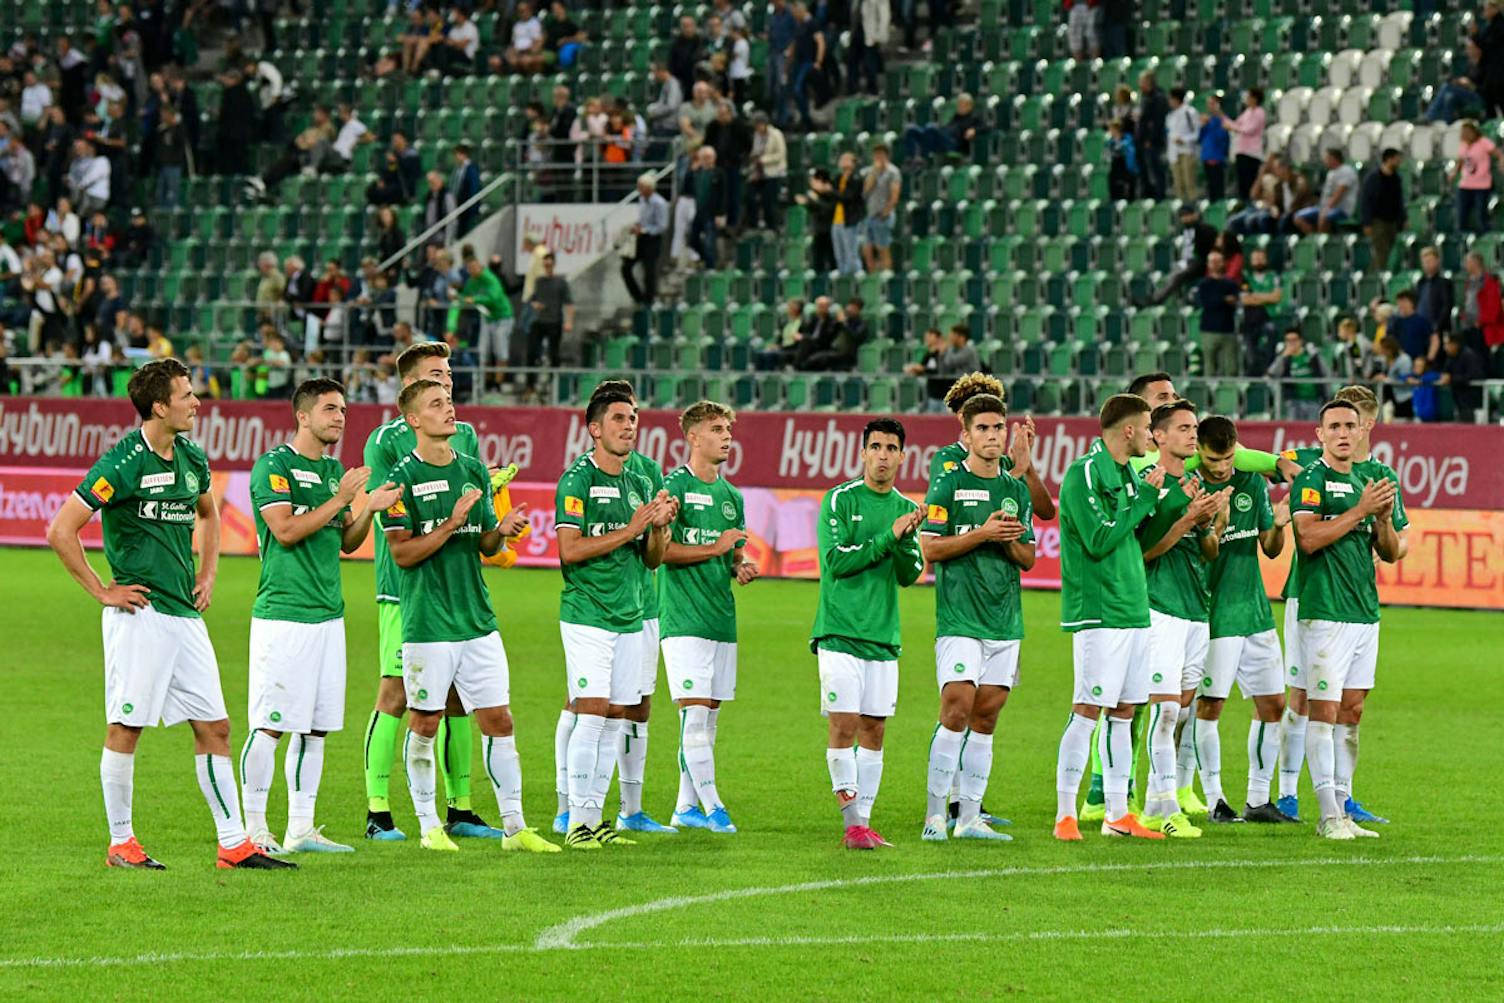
{"points": [[259, 202]]}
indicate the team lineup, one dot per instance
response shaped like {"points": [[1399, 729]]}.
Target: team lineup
{"points": [[1162, 524]]}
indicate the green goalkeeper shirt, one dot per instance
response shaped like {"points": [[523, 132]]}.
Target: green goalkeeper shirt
{"points": [[862, 566]]}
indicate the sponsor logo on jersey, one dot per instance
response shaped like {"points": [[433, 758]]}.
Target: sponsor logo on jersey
{"points": [[103, 490], [165, 511], [632, 499], [1310, 496], [428, 488], [332, 485], [698, 498], [605, 491], [190, 481], [937, 513], [728, 510], [1242, 502], [1339, 489], [574, 506], [306, 476], [972, 495], [156, 482], [279, 484], [948, 466], [1009, 507], [398, 510]]}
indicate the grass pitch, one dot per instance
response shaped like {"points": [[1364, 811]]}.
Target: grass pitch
{"points": [[778, 911]]}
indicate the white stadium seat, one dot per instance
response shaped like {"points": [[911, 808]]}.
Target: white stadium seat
{"points": [[1323, 105], [1343, 71], [1374, 70], [1394, 30], [1304, 142], [1292, 105], [1353, 107], [1364, 142]]}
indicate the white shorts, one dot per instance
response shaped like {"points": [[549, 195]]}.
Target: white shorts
{"points": [[1253, 661], [297, 676], [981, 663], [1295, 673], [159, 669], [1338, 656], [649, 648], [477, 669], [1111, 665], [852, 685], [602, 664], [700, 669], [1177, 654]]}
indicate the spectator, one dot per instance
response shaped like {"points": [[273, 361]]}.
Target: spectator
{"points": [[1473, 175], [157, 343], [352, 133], [731, 138], [482, 293], [1353, 359], [960, 354], [881, 187], [871, 29], [308, 151], [1425, 400], [1413, 329], [278, 362], [235, 127], [385, 385], [1339, 196], [1124, 108], [821, 202], [1196, 240], [706, 185], [1122, 174], [1232, 255], [434, 291], [1488, 32], [663, 112], [108, 309], [389, 238], [562, 37], [1149, 135], [527, 40], [65, 221], [401, 174], [1117, 20], [1248, 141], [89, 178], [1481, 316], [781, 30], [935, 385], [1217, 297], [42, 280], [561, 125], [36, 98], [806, 56], [1083, 29], [456, 55], [139, 239], [270, 287], [730, 14], [98, 237], [264, 80], [1183, 129], [1459, 97], [424, 30], [846, 216], [786, 346], [769, 165], [1214, 144], [437, 206], [1433, 291], [955, 137], [464, 182], [172, 158], [617, 153], [685, 53], [815, 335], [1382, 207], [1462, 371], [1300, 373], [1380, 312], [553, 315], [652, 224], [1262, 291], [19, 167], [1396, 368], [297, 294], [740, 67]]}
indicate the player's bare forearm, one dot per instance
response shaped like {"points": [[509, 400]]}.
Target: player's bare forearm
{"points": [[409, 551], [1021, 553], [1211, 546], [1039, 495], [658, 540], [62, 537], [576, 548], [1312, 533], [355, 531], [290, 529], [1272, 541], [491, 541], [1386, 542], [208, 541]]}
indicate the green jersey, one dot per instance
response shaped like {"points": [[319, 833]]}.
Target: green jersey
{"points": [[697, 598], [977, 594], [301, 582], [1305, 456], [1102, 581], [948, 458], [647, 468], [387, 447], [1240, 607], [1176, 579], [149, 506], [1337, 582], [862, 564], [444, 597], [605, 591]]}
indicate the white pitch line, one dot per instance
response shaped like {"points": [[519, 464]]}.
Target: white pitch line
{"points": [[563, 935], [552, 938]]}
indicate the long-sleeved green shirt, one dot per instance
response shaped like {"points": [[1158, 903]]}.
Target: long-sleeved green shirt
{"points": [[490, 298], [862, 566], [1102, 581]]}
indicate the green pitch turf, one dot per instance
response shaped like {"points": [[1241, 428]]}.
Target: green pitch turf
{"points": [[778, 911]]}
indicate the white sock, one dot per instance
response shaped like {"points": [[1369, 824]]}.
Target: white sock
{"points": [[842, 766], [976, 768], [1263, 752], [584, 747], [711, 721], [216, 778], [117, 772], [1321, 758], [258, 765], [1345, 743], [1185, 746], [699, 757], [417, 754], [945, 756], [562, 731], [1292, 753], [632, 761], [869, 777], [1209, 759], [605, 769], [1160, 801], [505, 771], [1075, 752], [304, 767], [1115, 748], [955, 779]]}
